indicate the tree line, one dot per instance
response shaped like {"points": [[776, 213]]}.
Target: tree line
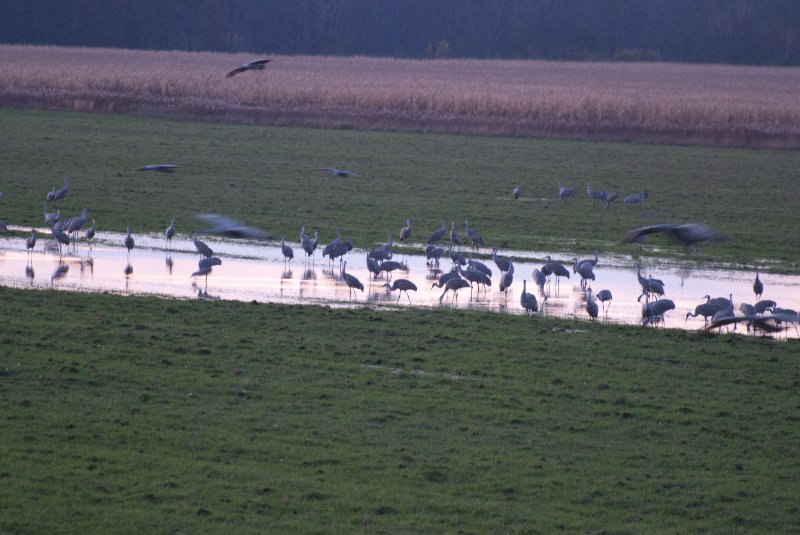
{"points": [[755, 32]]}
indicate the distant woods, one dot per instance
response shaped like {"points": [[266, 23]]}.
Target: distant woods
{"points": [[755, 32]]}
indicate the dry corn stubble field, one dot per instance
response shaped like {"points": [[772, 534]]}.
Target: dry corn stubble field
{"points": [[651, 102]]}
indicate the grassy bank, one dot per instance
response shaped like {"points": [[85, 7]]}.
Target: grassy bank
{"points": [[268, 177], [141, 414]]}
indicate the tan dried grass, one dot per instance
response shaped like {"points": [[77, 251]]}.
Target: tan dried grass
{"points": [[656, 102]]}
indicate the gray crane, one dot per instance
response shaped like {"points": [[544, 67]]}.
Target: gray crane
{"points": [[758, 286], [591, 306], [437, 234], [480, 266], [507, 279], [76, 223], [503, 263], [351, 281], [473, 275], [373, 267], [595, 195], [326, 251], [724, 312], [404, 285], [474, 236], [309, 245], [233, 228], [516, 192], [254, 65], [564, 192], [540, 280], [585, 270], [557, 269], [91, 232], [654, 311], [51, 218], [337, 172], [434, 253], [456, 257], [592, 261], [204, 267], [61, 237], [30, 243], [609, 198], [454, 284], [604, 296], [159, 167], [649, 285], [129, 240], [170, 232], [59, 194], [528, 300], [340, 250], [763, 305], [201, 247], [444, 278], [405, 232], [454, 237], [720, 302], [287, 251], [636, 198], [707, 310], [688, 233], [391, 265]]}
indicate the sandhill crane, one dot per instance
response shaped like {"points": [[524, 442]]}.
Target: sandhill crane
{"points": [[340, 250], [595, 195], [159, 167], [129, 240], [516, 192], [91, 232], [609, 198], [434, 253], [635, 198], [254, 65], [592, 261], [391, 265], [557, 269], [503, 263], [286, 251], [437, 234], [204, 267], [480, 266], [688, 233], [724, 312], [478, 277], [60, 193], [51, 218], [540, 280], [507, 280], [228, 226], [654, 311], [649, 285], [201, 247], [405, 232], [454, 285], [604, 296], [30, 243], [60, 237], [764, 305], [456, 257], [336, 241], [351, 281], [565, 192], [404, 285], [528, 300], [474, 236], [720, 302], [309, 245], [76, 223], [170, 231], [591, 306], [758, 286], [444, 278], [707, 310], [337, 172], [373, 267], [585, 270], [454, 237]]}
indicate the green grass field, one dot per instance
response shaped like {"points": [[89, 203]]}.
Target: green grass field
{"points": [[267, 177], [129, 414], [146, 415]]}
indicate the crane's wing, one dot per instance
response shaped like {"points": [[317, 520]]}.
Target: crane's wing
{"points": [[639, 234], [228, 226]]}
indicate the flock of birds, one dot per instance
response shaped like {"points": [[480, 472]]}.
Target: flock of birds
{"points": [[466, 271], [718, 312]]}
